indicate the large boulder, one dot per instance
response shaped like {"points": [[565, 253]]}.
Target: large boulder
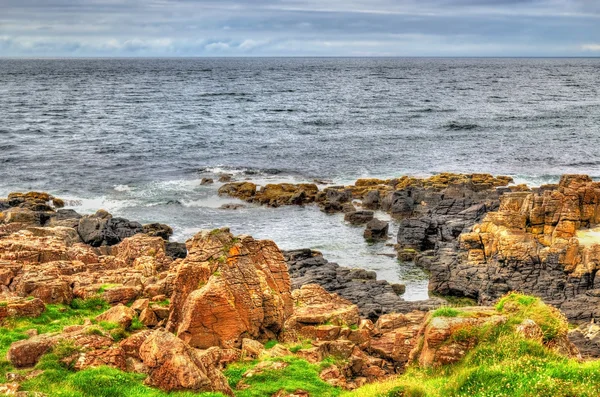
{"points": [[376, 230], [229, 288], [537, 242], [174, 365], [102, 229]]}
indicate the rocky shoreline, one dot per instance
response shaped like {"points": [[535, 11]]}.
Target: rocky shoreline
{"points": [[187, 311]]}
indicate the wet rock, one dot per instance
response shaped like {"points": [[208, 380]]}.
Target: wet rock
{"points": [[102, 229], [232, 206], [373, 297], [207, 181], [359, 217], [530, 244], [225, 178], [371, 200], [158, 230], [176, 250], [241, 190], [376, 230]]}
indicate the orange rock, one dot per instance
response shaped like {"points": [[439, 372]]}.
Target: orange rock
{"points": [[230, 288], [174, 365]]}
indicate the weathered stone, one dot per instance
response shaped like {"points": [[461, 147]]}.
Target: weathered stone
{"points": [[174, 365], [119, 314], [376, 230]]}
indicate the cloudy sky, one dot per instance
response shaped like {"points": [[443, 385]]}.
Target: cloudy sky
{"points": [[299, 28]]}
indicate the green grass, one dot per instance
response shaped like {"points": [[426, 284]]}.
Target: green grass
{"points": [[299, 374], [271, 343], [56, 380], [105, 287], [502, 364], [445, 312], [53, 319]]}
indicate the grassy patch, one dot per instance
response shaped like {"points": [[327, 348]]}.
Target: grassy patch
{"points": [[299, 374], [271, 343], [56, 380], [502, 364], [445, 312]]}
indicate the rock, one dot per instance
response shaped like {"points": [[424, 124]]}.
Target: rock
{"points": [[176, 250], [251, 348], [232, 206], [373, 297], [530, 330], [119, 314], [371, 200], [20, 307], [241, 190], [102, 229], [376, 230], [359, 217], [313, 307], [435, 345], [587, 340], [536, 242], [229, 288], [394, 336], [206, 181], [26, 353], [148, 318], [174, 365], [158, 230]]}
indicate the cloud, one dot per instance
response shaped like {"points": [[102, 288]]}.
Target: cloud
{"points": [[295, 27], [591, 47]]}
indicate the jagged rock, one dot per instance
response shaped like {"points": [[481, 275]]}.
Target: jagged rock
{"points": [[102, 229], [241, 190], [158, 230], [359, 217], [315, 307], [228, 288], [376, 230], [371, 200], [119, 314], [148, 317], [252, 348], [373, 297], [174, 365], [176, 250], [435, 345], [534, 244], [394, 336], [207, 181], [11, 306]]}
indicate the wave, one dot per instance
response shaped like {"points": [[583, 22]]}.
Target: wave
{"points": [[458, 126]]}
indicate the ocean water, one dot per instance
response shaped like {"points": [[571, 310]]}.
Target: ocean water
{"points": [[135, 136]]}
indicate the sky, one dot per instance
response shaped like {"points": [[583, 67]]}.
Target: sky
{"points": [[171, 28]]}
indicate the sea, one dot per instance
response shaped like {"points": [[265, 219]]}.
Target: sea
{"points": [[136, 136]]}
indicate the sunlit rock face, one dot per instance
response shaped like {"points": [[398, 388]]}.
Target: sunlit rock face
{"points": [[542, 242]]}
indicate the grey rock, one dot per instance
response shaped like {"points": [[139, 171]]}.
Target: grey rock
{"points": [[373, 297], [359, 217], [376, 230]]}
